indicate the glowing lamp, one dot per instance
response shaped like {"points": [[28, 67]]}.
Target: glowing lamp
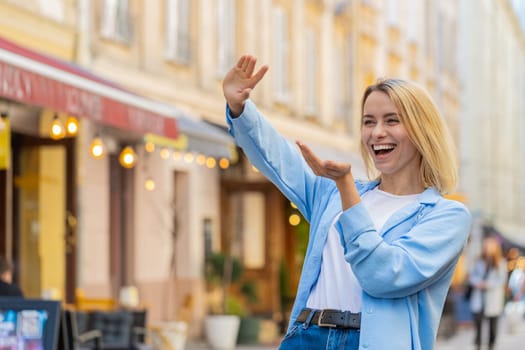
{"points": [[72, 126], [97, 149], [57, 131], [127, 157]]}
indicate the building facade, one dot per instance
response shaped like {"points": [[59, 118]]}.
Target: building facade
{"points": [[492, 72], [168, 57]]}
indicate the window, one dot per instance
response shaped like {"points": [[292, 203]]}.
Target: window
{"points": [[226, 43], [342, 84], [311, 74], [53, 9], [392, 7], [178, 31], [281, 55], [414, 25], [116, 20]]}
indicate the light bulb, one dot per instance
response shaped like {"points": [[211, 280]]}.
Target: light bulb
{"points": [[72, 126], [224, 163], [97, 149], [211, 162], [164, 153], [149, 147], [149, 184], [127, 157], [57, 131]]}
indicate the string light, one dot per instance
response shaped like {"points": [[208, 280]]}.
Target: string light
{"points": [[149, 147], [149, 184], [224, 163], [72, 126], [127, 157], [188, 157], [294, 219], [164, 153], [176, 155], [57, 131], [211, 162], [97, 149], [201, 159]]}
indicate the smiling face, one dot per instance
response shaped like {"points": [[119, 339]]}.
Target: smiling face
{"points": [[386, 139]]}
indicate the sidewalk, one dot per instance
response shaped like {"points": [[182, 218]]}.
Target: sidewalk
{"points": [[506, 339], [463, 339]]}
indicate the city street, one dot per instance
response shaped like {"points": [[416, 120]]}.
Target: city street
{"points": [[463, 339]]}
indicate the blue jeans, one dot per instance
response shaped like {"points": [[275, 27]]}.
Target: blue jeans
{"points": [[305, 336]]}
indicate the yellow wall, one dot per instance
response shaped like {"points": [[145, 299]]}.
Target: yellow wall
{"points": [[51, 216], [20, 25]]}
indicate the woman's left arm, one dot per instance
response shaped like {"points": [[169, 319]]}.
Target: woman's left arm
{"points": [[413, 261]]}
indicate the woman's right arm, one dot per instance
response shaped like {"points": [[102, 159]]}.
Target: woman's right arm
{"points": [[274, 156], [267, 150]]}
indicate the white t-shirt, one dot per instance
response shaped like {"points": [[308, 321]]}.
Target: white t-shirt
{"points": [[337, 286]]}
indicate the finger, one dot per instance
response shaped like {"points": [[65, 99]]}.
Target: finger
{"points": [[241, 60], [307, 150], [259, 75], [251, 66], [246, 62]]}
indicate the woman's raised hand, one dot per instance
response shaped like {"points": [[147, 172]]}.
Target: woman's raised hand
{"points": [[240, 81]]}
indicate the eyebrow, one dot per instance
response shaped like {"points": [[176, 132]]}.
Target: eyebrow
{"points": [[384, 115]]}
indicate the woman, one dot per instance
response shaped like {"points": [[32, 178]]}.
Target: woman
{"points": [[488, 278], [381, 253]]}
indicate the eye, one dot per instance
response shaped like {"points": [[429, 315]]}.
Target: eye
{"points": [[392, 120], [368, 121]]}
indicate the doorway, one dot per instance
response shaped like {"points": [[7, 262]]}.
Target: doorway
{"points": [[44, 216]]}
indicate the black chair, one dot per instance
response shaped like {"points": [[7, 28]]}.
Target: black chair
{"points": [[121, 329], [74, 333], [115, 327]]}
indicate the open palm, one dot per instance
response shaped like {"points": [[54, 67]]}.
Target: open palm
{"points": [[240, 81]]}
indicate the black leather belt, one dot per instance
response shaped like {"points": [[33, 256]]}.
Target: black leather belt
{"points": [[331, 318]]}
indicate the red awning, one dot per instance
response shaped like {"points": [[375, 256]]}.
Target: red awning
{"points": [[33, 78]]}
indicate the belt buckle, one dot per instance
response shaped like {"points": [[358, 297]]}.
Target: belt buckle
{"points": [[320, 321]]}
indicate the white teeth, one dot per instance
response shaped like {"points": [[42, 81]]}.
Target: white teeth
{"points": [[382, 147]]}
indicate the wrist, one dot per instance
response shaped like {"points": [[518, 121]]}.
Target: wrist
{"points": [[236, 109]]}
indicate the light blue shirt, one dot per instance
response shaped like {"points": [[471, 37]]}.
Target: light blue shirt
{"points": [[405, 270]]}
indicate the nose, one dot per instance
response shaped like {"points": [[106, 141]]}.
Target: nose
{"points": [[379, 130]]}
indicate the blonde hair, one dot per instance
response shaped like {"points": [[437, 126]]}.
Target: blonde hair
{"points": [[425, 127]]}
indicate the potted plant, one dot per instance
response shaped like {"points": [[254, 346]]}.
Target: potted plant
{"points": [[227, 298]]}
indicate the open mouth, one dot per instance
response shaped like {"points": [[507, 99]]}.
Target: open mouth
{"points": [[383, 149]]}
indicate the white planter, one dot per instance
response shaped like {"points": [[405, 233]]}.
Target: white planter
{"points": [[222, 331]]}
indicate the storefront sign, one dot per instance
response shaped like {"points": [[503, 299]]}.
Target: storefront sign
{"points": [[28, 87], [29, 77]]}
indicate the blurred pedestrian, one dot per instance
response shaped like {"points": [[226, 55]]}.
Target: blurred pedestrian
{"points": [[381, 253], [488, 278], [7, 288]]}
